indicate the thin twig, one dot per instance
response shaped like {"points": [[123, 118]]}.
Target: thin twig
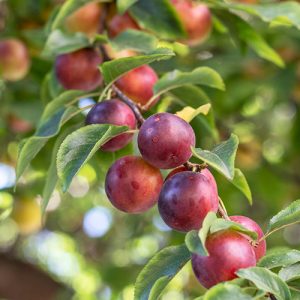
{"points": [[222, 210], [135, 108]]}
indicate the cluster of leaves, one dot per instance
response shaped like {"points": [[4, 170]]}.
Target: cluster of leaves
{"points": [[75, 145]]}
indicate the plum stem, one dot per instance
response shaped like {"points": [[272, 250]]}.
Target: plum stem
{"points": [[135, 108], [195, 167], [222, 210]]}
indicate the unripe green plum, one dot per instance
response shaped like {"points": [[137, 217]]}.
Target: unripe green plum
{"points": [[14, 59], [132, 185], [228, 252]]}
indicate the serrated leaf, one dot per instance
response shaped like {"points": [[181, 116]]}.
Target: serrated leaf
{"points": [[240, 181], [113, 69], [162, 268], [280, 259], [222, 224], [60, 42], [67, 9], [267, 281], [226, 291], [136, 40], [195, 240], [222, 157], [290, 273], [287, 216], [188, 113], [123, 5], [202, 76], [80, 146], [158, 16]]}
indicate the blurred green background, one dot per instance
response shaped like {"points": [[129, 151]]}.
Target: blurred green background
{"points": [[85, 248]]}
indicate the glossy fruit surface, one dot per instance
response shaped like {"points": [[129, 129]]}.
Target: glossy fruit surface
{"points": [[79, 70], [138, 84], [14, 59], [260, 249], [132, 185], [185, 200], [196, 19], [165, 140], [228, 251], [86, 19], [114, 112], [120, 23]]}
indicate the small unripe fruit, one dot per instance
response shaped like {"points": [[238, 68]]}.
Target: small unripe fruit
{"points": [[120, 23], [228, 252], [165, 140], [113, 112], [185, 200], [79, 70], [14, 60], [196, 19], [86, 19], [132, 185], [260, 249], [138, 84], [27, 214]]}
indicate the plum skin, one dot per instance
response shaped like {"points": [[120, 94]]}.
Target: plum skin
{"points": [[228, 252], [14, 59], [260, 250], [132, 185], [86, 19], [165, 140], [78, 70], [185, 200], [138, 84], [196, 20], [114, 112]]}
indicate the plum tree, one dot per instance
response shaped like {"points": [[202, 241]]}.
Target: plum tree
{"points": [[113, 112], [120, 23], [86, 19], [260, 249], [78, 70], [130, 84], [165, 140], [132, 185], [185, 200], [228, 252], [14, 59], [196, 19]]}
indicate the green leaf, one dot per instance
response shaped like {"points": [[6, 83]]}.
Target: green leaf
{"points": [[222, 157], [123, 5], [80, 146], [113, 69], [202, 75], [226, 291], [291, 272], [67, 9], [267, 281], [240, 181], [284, 13], [136, 40], [280, 259], [255, 41], [195, 241], [222, 224], [158, 16], [162, 268], [188, 113], [287, 216], [60, 42]]}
